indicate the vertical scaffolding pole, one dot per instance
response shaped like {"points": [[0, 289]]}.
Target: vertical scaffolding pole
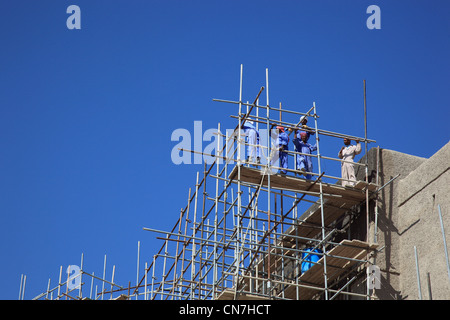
{"points": [[375, 228], [112, 280], [367, 181], [225, 214], [202, 232], [145, 283], [216, 208], [445, 242], [23, 287], [137, 270], [322, 216], [20, 288], [418, 273], [430, 296], [194, 249], [164, 276], [81, 273], [366, 163], [104, 273], [67, 282], [269, 291], [365, 126], [48, 289], [175, 266], [153, 278], [92, 284], [185, 233], [59, 282], [375, 236], [239, 200]]}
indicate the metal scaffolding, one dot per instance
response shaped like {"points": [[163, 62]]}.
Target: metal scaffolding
{"points": [[248, 231]]}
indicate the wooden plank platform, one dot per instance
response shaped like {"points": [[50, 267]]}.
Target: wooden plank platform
{"points": [[282, 182]]}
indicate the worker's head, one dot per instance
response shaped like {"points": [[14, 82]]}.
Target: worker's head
{"points": [[347, 141], [280, 129], [303, 120], [247, 123], [304, 136]]}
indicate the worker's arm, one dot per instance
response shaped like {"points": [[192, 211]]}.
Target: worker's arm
{"points": [[308, 129], [340, 153], [358, 147]]}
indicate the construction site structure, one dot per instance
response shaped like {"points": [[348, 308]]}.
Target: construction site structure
{"points": [[250, 232]]}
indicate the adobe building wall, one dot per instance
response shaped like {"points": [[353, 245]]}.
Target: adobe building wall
{"points": [[407, 217], [419, 195], [390, 163]]}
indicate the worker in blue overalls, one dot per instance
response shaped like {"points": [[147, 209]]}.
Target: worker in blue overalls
{"points": [[305, 164], [283, 146], [298, 132]]}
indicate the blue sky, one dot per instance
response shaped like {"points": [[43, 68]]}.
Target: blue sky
{"points": [[86, 116]]}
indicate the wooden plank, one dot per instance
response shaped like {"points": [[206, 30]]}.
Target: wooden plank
{"points": [[281, 182], [362, 184]]}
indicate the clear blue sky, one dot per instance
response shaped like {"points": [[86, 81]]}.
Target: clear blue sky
{"points": [[86, 116]]}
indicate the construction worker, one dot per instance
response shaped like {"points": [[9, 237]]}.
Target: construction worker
{"points": [[303, 122], [282, 145], [252, 137], [298, 132], [304, 163], [348, 153]]}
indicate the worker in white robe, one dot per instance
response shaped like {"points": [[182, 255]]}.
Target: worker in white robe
{"points": [[348, 153]]}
